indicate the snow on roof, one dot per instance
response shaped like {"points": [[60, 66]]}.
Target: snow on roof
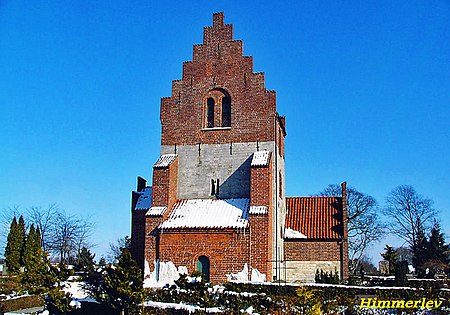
{"points": [[155, 211], [261, 158], [258, 210], [145, 199], [290, 233], [208, 213], [165, 160]]}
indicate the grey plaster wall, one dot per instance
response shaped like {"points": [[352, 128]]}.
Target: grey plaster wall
{"points": [[229, 163]]}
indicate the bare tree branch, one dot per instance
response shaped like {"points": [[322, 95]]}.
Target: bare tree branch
{"points": [[364, 227], [408, 211]]}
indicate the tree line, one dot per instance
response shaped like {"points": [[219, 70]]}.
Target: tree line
{"points": [[62, 235], [411, 217]]}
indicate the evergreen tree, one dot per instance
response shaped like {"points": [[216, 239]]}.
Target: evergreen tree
{"points": [[390, 255], [15, 245], [438, 252], [102, 262], [85, 260], [420, 251], [36, 267], [438, 249], [22, 234], [119, 285], [12, 254], [32, 253]]}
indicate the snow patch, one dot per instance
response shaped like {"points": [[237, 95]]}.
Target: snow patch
{"points": [[240, 276], [75, 289], [256, 276], [164, 273], [181, 306], [290, 233]]}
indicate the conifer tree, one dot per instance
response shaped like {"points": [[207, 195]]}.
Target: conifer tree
{"points": [[438, 249], [33, 249], [120, 285], [21, 233], [390, 255], [438, 252], [14, 251], [85, 260], [420, 250]]}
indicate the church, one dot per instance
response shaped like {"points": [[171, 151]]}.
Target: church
{"points": [[217, 201]]}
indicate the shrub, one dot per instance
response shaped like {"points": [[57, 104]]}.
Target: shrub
{"points": [[325, 277], [21, 303]]}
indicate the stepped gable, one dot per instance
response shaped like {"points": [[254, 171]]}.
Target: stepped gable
{"points": [[218, 69]]}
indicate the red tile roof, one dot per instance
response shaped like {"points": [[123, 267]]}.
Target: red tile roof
{"points": [[315, 217]]}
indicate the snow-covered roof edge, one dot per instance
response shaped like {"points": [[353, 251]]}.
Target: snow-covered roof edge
{"points": [[156, 211], [165, 160], [293, 234], [261, 158], [258, 210]]}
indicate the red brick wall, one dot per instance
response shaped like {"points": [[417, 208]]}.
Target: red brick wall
{"points": [[261, 185], [152, 240], [218, 64], [138, 236], [312, 250], [261, 244], [165, 185], [227, 250]]}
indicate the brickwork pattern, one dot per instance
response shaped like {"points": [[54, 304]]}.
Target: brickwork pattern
{"points": [[218, 66], [227, 250], [261, 244], [165, 185], [312, 250], [261, 185]]}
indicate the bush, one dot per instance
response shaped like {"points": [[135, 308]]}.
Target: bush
{"points": [[9, 285], [21, 303], [325, 277]]}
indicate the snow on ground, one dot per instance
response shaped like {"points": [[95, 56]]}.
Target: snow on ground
{"points": [[181, 306], [75, 288]]}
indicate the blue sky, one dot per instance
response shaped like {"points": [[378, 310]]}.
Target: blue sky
{"points": [[365, 86]]}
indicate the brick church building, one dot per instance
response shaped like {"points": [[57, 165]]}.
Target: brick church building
{"points": [[217, 200]]}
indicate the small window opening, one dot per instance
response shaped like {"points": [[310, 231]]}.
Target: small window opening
{"points": [[213, 188], [210, 113], [203, 265], [226, 112]]}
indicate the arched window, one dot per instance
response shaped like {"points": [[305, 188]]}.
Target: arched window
{"points": [[203, 266], [210, 113], [226, 112]]}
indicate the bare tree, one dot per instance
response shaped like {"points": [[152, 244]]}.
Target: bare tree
{"points": [[116, 248], [86, 228], [43, 218], [409, 212], [68, 235], [364, 227]]}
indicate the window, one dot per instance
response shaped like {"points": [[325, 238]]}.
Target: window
{"points": [[226, 112], [215, 187], [210, 113], [203, 266], [218, 109]]}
